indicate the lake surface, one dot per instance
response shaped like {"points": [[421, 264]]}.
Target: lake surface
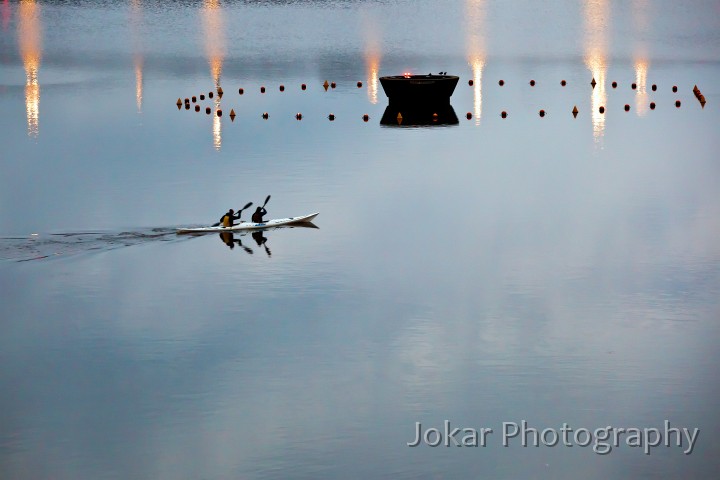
{"points": [[552, 269]]}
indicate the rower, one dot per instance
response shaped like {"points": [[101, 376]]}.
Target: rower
{"points": [[257, 217], [227, 219]]}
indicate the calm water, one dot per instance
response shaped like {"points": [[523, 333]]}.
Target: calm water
{"points": [[555, 270]]}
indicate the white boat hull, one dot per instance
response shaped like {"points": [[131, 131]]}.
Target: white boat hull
{"points": [[251, 225]]}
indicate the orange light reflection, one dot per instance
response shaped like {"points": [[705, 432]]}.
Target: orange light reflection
{"points": [[597, 15], [30, 42], [213, 30]]}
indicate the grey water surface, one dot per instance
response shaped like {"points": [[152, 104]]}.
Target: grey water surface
{"points": [[553, 269]]}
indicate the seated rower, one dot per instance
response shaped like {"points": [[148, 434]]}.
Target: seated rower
{"points": [[257, 217], [227, 220]]}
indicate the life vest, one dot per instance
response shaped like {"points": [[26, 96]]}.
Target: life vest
{"points": [[226, 221]]}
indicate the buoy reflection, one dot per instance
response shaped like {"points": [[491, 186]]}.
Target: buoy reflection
{"points": [[597, 14], [475, 26], [213, 29], [30, 42]]}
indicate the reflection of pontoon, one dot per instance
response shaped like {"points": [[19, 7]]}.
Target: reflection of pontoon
{"points": [[419, 90], [398, 116]]}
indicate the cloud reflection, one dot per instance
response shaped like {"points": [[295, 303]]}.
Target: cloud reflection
{"points": [[30, 43], [597, 14], [214, 36], [475, 26]]}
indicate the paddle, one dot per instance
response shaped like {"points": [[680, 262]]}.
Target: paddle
{"points": [[249, 204]]}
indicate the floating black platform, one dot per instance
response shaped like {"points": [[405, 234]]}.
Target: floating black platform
{"points": [[419, 90]]}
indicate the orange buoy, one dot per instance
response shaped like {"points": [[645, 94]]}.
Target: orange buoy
{"points": [[202, 96], [435, 117], [532, 83], [601, 109], [282, 88], [241, 91], [262, 89], [207, 110], [501, 82], [614, 84], [627, 107], [220, 91], [542, 113], [219, 112], [298, 116], [633, 86], [232, 114], [303, 86], [563, 82], [332, 85], [179, 103], [210, 94], [468, 115], [399, 118], [326, 85], [674, 89], [503, 114], [194, 99], [331, 117], [470, 82], [265, 116], [187, 106], [654, 87], [677, 103], [593, 82], [197, 108], [575, 111], [366, 117], [652, 105]]}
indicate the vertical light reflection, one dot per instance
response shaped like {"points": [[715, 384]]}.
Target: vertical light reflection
{"points": [[30, 42], [641, 24], [213, 34], [5, 8], [135, 30], [475, 15], [372, 56], [597, 15]]}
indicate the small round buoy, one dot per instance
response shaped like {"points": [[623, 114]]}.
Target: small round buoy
{"points": [[501, 82], [652, 105], [265, 115], [563, 82], [654, 87], [282, 88], [220, 91], [359, 84], [298, 116], [210, 94], [331, 117], [187, 106], [332, 85], [503, 114], [468, 115], [633, 86], [435, 117], [627, 107], [262, 89], [542, 113], [470, 82], [207, 110], [202, 97], [303, 86], [532, 83], [614, 84], [219, 112], [241, 91], [601, 109], [194, 99], [187, 100], [197, 108], [366, 117], [677, 103], [674, 89]]}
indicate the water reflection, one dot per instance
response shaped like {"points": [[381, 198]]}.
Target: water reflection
{"points": [[30, 43], [214, 37], [5, 13], [372, 56], [475, 25], [138, 60], [597, 15], [641, 24], [403, 117], [229, 239], [261, 241]]}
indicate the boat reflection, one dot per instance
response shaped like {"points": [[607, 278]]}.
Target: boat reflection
{"points": [[419, 117], [30, 43], [232, 239]]}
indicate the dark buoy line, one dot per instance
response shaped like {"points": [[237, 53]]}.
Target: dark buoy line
{"points": [[652, 105], [197, 108], [634, 86], [359, 84], [654, 87], [601, 109], [470, 82], [262, 89], [468, 115], [219, 113], [282, 88], [303, 86], [265, 116], [501, 82], [674, 89], [241, 91], [207, 110], [331, 117], [366, 117], [677, 103], [298, 116]]}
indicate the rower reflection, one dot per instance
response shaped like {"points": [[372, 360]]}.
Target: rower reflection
{"points": [[261, 241], [229, 239], [419, 117]]}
